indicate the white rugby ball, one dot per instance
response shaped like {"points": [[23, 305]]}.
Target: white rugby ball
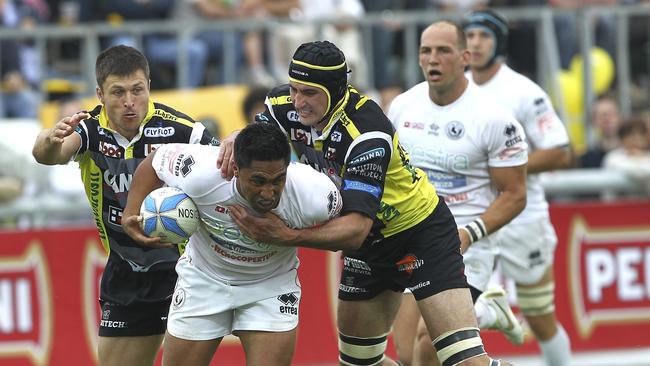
{"points": [[170, 214]]}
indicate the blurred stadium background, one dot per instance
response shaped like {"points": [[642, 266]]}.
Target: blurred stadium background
{"points": [[211, 58]]}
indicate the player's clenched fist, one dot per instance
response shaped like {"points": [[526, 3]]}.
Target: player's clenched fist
{"points": [[65, 127]]}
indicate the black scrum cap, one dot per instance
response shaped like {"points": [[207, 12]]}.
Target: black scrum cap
{"points": [[321, 64]]}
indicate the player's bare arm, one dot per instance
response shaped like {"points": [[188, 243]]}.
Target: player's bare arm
{"points": [[510, 182], [346, 232], [225, 160], [58, 144], [144, 181], [544, 160]]}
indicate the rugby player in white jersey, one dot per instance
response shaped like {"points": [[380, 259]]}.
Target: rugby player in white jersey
{"points": [[527, 243], [227, 282], [475, 154]]}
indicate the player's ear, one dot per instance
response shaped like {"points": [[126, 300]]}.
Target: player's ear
{"points": [[100, 94], [235, 170]]}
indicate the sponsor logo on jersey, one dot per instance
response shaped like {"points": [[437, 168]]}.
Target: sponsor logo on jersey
{"points": [[115, 215], [182, 165], [540, 106], [120, 183], [368, 170], [414, 125], [298, 134], [446, 181], [330, 154], [110, 150], [455, 130], [149, 148], [434, 130], [221, 209], [159, 131], [290, 301], [26, 311], [375, 153], [409, 264], [608, 275], [334, 203], [336, 136], [186, 165], [102, 132], [387, 212], [360, 186], [292, 116], [452, 199]]}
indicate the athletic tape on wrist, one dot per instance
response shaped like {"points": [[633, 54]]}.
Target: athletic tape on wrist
{"points": [[476, 230]]}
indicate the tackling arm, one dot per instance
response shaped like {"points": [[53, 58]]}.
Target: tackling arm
{"points": [[346, 232]]}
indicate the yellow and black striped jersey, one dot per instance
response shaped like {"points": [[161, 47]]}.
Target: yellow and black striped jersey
{"points": [[360, 151], [108, 160]]}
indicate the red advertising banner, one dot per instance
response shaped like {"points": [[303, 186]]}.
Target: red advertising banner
{"points": [[49, 283]]}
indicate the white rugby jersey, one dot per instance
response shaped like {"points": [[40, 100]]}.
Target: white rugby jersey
{"points": [[532, 107], [219, 248], [455, 144]]}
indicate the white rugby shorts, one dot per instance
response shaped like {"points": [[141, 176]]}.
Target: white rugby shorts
{"points": [[204, 308], [479, 260], [526, 250]]}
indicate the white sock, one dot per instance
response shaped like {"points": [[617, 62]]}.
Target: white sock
{"points": [[485, 315], [557, 350]]}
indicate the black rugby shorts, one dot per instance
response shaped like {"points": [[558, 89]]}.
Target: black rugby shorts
{"points": [[425, 258]]}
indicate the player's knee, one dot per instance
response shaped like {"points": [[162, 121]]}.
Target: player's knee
{"points": [[459, 345], [356, 351], [538, 300]]}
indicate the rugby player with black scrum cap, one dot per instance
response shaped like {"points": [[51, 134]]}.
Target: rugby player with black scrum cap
{"points": [[394, 230]]}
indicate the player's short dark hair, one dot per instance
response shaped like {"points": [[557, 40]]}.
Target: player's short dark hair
{"points": [[261, 142], [120, 61]]}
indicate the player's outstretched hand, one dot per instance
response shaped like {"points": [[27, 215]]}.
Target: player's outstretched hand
{"points": [[132, 225], [268, 228], [226, 159], [65, 127]]}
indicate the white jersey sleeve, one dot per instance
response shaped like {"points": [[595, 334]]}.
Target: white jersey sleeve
{"points": [[310, 197], [191, 168]]}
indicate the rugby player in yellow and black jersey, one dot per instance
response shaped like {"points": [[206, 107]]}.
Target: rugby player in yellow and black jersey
{"points": [[394, 230], [108, 143]]}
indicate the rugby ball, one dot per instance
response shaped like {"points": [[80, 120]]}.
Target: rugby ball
{"points": [[170, 214]]}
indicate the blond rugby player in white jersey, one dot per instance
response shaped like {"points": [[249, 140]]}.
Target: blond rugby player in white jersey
{"points": [[527, 243], [227, 282], [474, 151]]}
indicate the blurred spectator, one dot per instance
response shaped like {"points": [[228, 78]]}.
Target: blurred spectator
{"points": [[566, 28], [286, 38], [17, 100], [250, 48], [254, 103], [633, 157], [605, 121]]}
